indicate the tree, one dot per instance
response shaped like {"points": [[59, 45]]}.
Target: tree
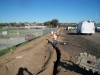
{"points": [[22, 24], [0, 25], [47, 23], [54, 22], [9, 25]]}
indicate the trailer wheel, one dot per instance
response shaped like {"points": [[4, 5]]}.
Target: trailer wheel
{"points": [[90, 34]]}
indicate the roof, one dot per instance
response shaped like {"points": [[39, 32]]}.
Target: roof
{"points": [[86, 21]]}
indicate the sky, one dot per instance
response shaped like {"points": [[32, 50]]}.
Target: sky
{"points": [[40, 11]]}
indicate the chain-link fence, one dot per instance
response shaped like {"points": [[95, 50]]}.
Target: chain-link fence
{"points": [[14, 37]]}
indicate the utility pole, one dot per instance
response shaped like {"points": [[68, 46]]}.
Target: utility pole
{"points": [[97, 18]]}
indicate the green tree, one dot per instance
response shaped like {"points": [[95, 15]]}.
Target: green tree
{"points": [[54, 22], [22, 24], [9, 25], [47, 23]]}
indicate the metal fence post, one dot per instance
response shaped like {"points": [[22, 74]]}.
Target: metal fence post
{"points": [[18, 35], [7, 38]]}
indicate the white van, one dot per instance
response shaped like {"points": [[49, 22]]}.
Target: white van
{"points": [[86, 27]]}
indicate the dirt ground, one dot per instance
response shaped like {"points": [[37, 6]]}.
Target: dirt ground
{"points": [[71, 45], [39, 58]]}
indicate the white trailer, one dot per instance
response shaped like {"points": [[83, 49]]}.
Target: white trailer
{"points": [[86, 27]]}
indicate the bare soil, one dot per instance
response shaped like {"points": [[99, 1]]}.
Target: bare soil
{"points": [[71, 45], [34, 58], [39, 58]]}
